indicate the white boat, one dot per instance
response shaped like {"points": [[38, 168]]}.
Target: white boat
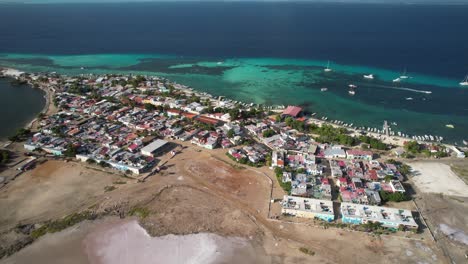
{"points": [[327, 69], [464, 142], [219, 62], [351, 92], [394, 124], [397, 80], [409, 98], [465, 82], [404, 76], [369, 76], [352, 86], [324, 89], [450, 126]]}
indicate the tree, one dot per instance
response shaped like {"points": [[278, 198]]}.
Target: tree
{"points": [[234, 113], [268, 133], [413, 147], [71, 150], [150, 107], [104, 164], [4, 156], [230, 133], [278, 118]]}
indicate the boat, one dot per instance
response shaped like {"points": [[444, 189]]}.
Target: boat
{"points": [[351, 92], [219, 62], [394, 124], [324, 89], [464, 82], [409, 98], [369, 76], [450, 126], [82, 68], [397, 80], [352, 86], [327, 69], [464, 142], [404, 76]]}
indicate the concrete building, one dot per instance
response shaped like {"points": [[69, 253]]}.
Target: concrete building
{"points": [[308, 208], [389, 217], [154, 148], [458, 153], [334, 153], [359, 154]]}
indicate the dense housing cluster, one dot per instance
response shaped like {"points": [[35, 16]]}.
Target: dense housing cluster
{"points": [[124, 122]]}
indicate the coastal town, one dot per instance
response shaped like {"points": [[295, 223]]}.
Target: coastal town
{"points": [[329, 172]]}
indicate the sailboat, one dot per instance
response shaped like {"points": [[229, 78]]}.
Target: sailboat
{"points": [[327, 69], [404, 76], [465, 82]]}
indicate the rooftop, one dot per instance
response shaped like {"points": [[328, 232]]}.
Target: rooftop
{"points": [[308, 205], [292, 111]]}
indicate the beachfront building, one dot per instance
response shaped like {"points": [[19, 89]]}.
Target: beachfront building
{"points": [[308, 208], [154, 148], [359, 154], [389, 217], [292, 111]]}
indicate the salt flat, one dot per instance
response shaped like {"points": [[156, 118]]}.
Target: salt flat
{"points": [[434, 177]]}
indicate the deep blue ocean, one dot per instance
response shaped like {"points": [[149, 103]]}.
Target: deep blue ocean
{"points": [[272, 53], [427, 39]]}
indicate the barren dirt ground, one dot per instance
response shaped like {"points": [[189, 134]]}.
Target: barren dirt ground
{"points": [[202, 191]]}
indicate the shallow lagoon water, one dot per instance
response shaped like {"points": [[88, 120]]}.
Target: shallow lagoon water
{"points": [[288, 81], [19, 105]]}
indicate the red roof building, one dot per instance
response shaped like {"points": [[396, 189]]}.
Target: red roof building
{"points": [[292, 111]]}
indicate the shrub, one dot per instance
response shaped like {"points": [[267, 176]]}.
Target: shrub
{"points": [[109, 188], [140, 212], [307, 251]]}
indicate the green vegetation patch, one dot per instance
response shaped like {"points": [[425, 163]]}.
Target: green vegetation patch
{"points": [[307, 251], [279, 176], [140, 212], [119, 182], [393, 197], [4, 156], [61, 224], [109, 188]]}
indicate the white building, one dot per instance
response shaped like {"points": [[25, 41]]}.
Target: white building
{"points": [[308, 208], [388, 217], [154, 147]]}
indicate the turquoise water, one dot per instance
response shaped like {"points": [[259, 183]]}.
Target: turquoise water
{"points": [[290, 81]]}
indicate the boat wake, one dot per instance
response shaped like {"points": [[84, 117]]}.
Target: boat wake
{"points": [[400, 88]]}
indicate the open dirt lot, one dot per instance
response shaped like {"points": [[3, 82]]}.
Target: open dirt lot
{"points": [[201, 191], [448, 219], [433, 177], [54, 189]]}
